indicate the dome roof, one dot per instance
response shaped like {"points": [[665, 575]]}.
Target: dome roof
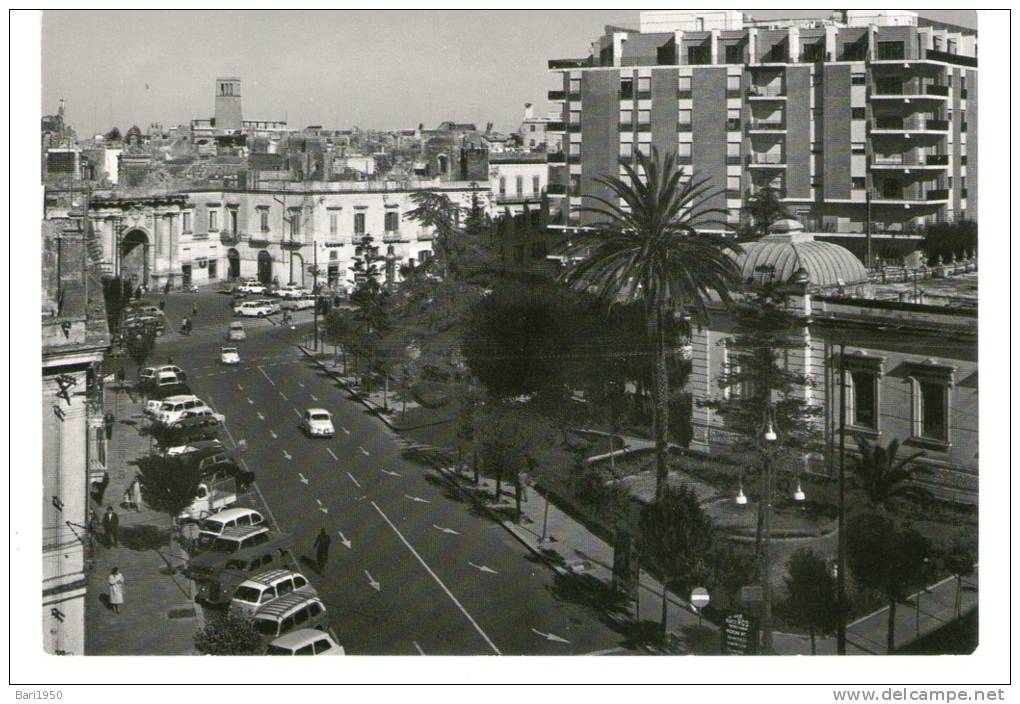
{"points": [[828, 265]]}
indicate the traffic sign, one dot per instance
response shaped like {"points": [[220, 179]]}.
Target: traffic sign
{"points": [[739, 635], [699, 597], [753, 594]]}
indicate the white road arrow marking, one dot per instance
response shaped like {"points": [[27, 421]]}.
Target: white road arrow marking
{"points": [[417, 499], [346, 431], [343, 540], [314, 397], [418, 647], [551, 636], [266, 376], [261, 417], [302, 478], [321, 507], [450, 531], [392, 474], [363, 450], [483, 568], [354, 480], [273, 434], [297, 413], [332, 455], [373, 583], [250, 402], [301, 385], [240, 388], [287, 455], [283, 397]]}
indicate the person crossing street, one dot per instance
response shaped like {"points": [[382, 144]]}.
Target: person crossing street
{"points": [[321, 549]]}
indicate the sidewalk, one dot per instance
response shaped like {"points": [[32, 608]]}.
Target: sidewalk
{"points": [[159, 616], [569, 548]]}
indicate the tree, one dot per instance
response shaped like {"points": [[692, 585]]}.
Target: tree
{"points": [[506, 444], [676, 536], [879, 474], [169, 484], [471, 404], [765, 207], [811, 602], [594, 490], [140, 345], [890, 560], [337, 327], [945, 240], [371, 299], [732, 568], [113, 135], [649, 251], [232, 633]]}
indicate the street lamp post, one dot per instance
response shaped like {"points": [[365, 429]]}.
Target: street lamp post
{"points": [[767, 439], [841, 515]]}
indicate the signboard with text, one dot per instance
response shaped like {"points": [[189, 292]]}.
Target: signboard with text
{"points": [[739, 635]]}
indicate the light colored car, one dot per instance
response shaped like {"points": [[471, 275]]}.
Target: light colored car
{"points": [[255, 309], [207, 501], [194, 446], [151, 373], [166, 379], [290, 291], [263, 588], [305, 641], [318, 422], [230, 355], [287, 613], [235, 332], [172, 409], [300, 303], [213, 526], [252, 287]]}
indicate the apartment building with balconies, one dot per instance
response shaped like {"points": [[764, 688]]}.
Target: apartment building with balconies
{"points": [[856, 118]]}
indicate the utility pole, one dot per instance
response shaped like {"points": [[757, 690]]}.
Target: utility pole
{"points": [[841, 520], [867, 228], [315, 291]]}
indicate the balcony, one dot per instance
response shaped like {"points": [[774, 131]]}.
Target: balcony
{"points": [[556, 189], [516, 199], [292, 243], [555, 64], [937, 194], [733, 124], [909, 161], [556, 96], [574, 127], [425, 236], [766, 160], [936, 125], [644, 127], [955, 59], [931, 89], [555, 158], [732, 194], [626, 126], [733, 159], [395, 236], [556, 127], [684, 127], [769, 92], [644, 95], [226, 237], [914, 195], [684, 95], [766, 126], [913, 124], [684, 160], [201, 235]]}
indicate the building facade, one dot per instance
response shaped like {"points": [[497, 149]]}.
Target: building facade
{"points": [[74, 339], [517, 179], [910, 369], [207, 235], [864, 117]]}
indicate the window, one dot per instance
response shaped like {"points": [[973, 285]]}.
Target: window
{"points": [[734, 54], [233, 220], [857, 113], [536, 184], [519, 183], [816, 147], [186, 221], [930, 395], [626, 149], [733, 186], [933, 410], [733, 83], [392, 221], [213, 222], [359, 223], [333, 222], [683, 149], [858, 79], [626, 117], [732, 149], [532, 128], [857, 148], [575, 85], [644, 85], [858, 183], [864, 399], [733, 119], [627, 89], [698, 55], [644, 117], [295, 222], [684, 118], [502, 185], [264, 219], [685, 86]]}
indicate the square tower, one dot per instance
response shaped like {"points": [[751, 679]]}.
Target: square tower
{"points": [[228, 104]]}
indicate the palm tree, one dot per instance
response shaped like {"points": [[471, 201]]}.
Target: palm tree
{"points": [[647, 250], [880, 475]]}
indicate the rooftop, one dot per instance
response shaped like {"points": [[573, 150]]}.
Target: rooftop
{"points": [[787, 249]]}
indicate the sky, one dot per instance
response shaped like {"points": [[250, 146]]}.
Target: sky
{"points": [[373, 69]]}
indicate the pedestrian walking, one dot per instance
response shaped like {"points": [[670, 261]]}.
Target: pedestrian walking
{"points": [[243, 480], [194, 309], [111, 524], [136, 493], [321, 548], [523, 479], [108, 421], [101, 486], [169, 359], [121, 376], [92, 528], [116, 583], [162, 304], [166, 290]]}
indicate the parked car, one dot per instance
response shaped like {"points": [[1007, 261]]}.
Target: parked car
{"points": [[235, 332], [218, 574], [172, 408], [299, 303], [290, 291], [209, 500], [318, 423], [229, 355], [192, 447], [198, 423], [213, 526], [150, 373], [305, 641], [263, 588], [163, 395], [288, 613], [249, 287]]}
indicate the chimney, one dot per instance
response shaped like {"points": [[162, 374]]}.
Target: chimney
{"points": [[529, 111]]}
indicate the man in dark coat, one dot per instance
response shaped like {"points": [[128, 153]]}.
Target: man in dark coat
{"points": [[321, 548], [111, 524], [108, 421]]}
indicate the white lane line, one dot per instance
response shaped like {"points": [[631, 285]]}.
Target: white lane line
{"points": [[354, 480], [266, 376], [301, 385], [363, 450], [314, 397], [330, 451], [259, 414], [417, 499], [418, 647], [282, 396], [297, 412], [391, 473], [438, 580], [250, 402], [346, 431], [273, 434]]}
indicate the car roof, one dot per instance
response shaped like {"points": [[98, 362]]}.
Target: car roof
{"points": [[241, 532], [181, 398], [228, 349], [279, 607], [237, 324], [318, 410], [231, 513], [269, 576], [299, 638]]}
